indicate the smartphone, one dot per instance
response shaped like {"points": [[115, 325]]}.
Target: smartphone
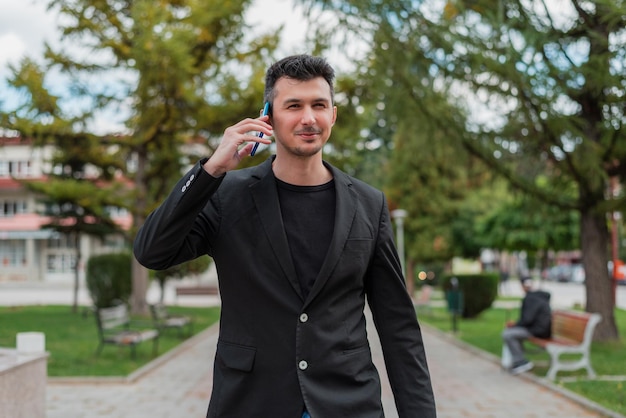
{"points": [[266, 110]]}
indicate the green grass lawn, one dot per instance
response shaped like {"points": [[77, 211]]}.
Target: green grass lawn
{"points": [[607, 359], [72, 338]]}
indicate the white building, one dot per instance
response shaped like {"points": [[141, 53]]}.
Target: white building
{"points": [[29, 253]]}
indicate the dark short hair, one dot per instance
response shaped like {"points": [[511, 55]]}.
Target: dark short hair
{"points": [[298, 67]]}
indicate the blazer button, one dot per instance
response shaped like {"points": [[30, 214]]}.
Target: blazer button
{"points": [[304, 317], [303, 365]]}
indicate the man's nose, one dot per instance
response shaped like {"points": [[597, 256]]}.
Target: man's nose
{"points": [[308, 116]]}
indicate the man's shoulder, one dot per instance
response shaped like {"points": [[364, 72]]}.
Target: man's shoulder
{"points": [[247, 174], [541, 296], [353, 182]]}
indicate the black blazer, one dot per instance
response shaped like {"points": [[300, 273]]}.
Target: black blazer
{"points": [[277, 351]]}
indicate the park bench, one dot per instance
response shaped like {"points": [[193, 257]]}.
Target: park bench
{"points": [[116, 327], [164, 320], [572, 333], [205, 290]]}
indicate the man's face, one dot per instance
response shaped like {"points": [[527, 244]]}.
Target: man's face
{"points": [[302, 116]]}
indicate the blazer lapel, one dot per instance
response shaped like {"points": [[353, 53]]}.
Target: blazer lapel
{"points": [[265, 198], [345, 211]]}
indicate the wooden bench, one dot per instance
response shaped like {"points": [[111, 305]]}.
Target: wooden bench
{"points": [[196, 291], [116, 327], [163, 320], [572, 332]]}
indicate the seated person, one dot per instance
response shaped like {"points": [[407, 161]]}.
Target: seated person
{"points": [[535, 320]]}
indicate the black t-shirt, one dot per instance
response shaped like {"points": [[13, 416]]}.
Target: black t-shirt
{"points": [[309, 217]]}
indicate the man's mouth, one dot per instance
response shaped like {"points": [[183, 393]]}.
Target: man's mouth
{"points": [[308, 133]]}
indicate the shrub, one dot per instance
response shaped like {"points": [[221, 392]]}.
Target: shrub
{"points": [[109, 279], [479, 291], [188, 268]]}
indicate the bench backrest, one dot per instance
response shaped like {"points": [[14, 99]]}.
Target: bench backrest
{"points": [[575, 326], [159, 311], [113, 317]]}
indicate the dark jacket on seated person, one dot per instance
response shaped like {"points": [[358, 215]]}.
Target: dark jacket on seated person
{"points": [[536, 315]]}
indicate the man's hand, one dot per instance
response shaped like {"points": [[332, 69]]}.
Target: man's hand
{"points": [[229, 152]]}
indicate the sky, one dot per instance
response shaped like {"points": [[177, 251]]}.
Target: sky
{"points": [[26, 24]]}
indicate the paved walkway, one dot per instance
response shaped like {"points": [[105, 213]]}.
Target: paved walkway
{"points": [[467, 384]]}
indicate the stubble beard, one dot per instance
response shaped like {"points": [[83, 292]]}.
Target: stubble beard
{"points": [[301, 151], [304, 152]]}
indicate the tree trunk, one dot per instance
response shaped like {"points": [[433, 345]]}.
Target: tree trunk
{"points": [[139, 305], [140, 278], [79, 256], [594, 239]]}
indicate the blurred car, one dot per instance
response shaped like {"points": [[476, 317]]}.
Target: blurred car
{"points": [[578, 273], [575, 273], [621, 271], [560, 273]]}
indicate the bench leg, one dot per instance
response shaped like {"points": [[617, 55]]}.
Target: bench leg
{"points": [[555, 364], [185, 330], [590, 372], [584, 362], [552, 371]]}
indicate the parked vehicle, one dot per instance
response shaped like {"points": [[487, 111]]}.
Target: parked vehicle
{"points": [[621, 272], [560, 273], [575, 273], [578, 273]]}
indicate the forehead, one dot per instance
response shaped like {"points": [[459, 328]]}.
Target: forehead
{"points": [[291, 89]]}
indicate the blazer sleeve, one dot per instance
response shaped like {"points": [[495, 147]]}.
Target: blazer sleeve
{"points": [[177, 230], [398, 329]]}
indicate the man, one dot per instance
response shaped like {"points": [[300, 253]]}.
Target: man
{"points": [[298, 247], [535, 320]]}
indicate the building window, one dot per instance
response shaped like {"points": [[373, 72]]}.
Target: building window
{"points": [[12, 253], [12, 207], [61, 255], [61, 263], [23, 169], [19, 169], [4, 169]]}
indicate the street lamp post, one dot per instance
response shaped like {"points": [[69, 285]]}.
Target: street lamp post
{"points": [[399, 215]]}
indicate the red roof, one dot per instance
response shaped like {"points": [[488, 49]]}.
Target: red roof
{"points": [[23, 222], [34, 222]]}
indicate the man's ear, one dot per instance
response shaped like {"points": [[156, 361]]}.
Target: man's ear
{"points": [[269, 112]]}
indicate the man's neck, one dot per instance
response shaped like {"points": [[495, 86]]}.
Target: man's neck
{"points": [[309, 171]]}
